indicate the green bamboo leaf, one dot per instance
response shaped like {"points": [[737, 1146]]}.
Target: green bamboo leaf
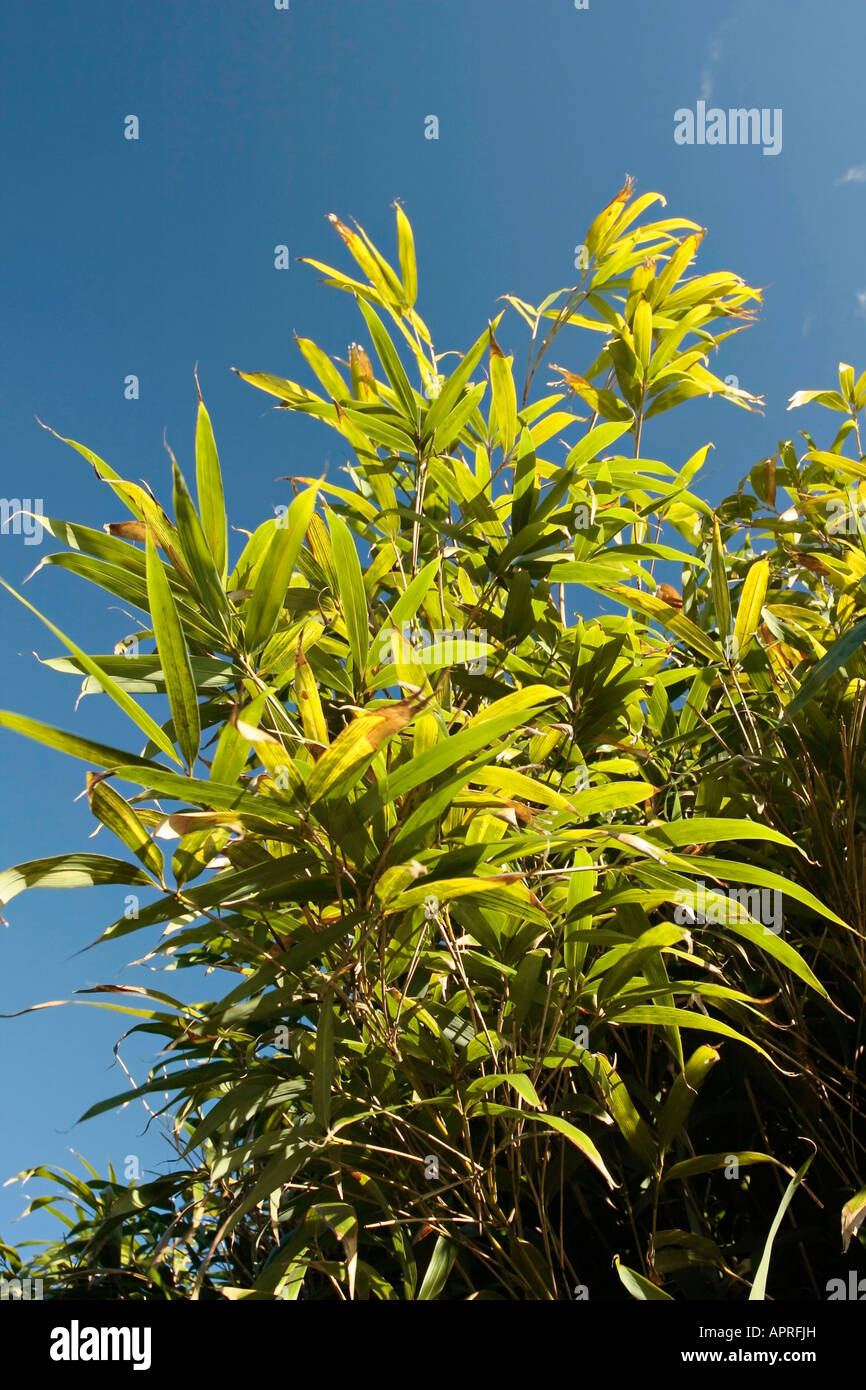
{"points": [[453, 388], [138, 716], [454, 423], [707, 1163], [213, 795], [406, 253], [786, 954], [70, 871], [344, 761], [612, 797], [323, 1066], [174, 657], [594, 442], [374, 266], [276, 569], [518, 618], [580, 1140], [758, 1290], [343, 1221], [352, 596], [841, 651], [638, 1286], [736, 871], [110, 808], [751, 606], [523, 988], [416, 591], [128, 582], [77, 747], [484, 891], [142, 673], [629, 1122], [697, 698], [656, 608], [198, 555], [700, 830], [209, 484], [520, 1083], [394, 369], [449, 751], [504, 395], [436, 1276], [618, 966], [684, 1093], [643, 331], [662, 1016], [325, 370], [719, 579], [853, 1214]]}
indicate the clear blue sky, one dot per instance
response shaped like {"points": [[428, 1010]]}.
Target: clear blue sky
{"points": [[146, 257]]}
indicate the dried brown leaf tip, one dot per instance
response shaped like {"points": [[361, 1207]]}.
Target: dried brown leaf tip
{"points": [[669, 595], [127, 530]]}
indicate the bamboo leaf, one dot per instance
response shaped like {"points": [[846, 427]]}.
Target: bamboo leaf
{"points": [[275, 572], [853, 1215], [580, 1140], [440, 1266], [758, 1290], [719, 579], [504, 395], [638, 1286], [72, 744], [684, 1092], [751, 605], [109, 807], [198, 555], [343, 762], [209, 483], [138, 716], [352, 596], [841, 652], [174, 657], [406, 253], [323, 1066], [70, 871]]}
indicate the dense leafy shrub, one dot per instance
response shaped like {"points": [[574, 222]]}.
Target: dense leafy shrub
{"points": [[476, 815]]}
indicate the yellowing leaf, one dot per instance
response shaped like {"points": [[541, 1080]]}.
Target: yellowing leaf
{"points": [[342, 763]]}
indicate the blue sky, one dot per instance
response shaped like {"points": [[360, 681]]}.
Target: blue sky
{"points": [[144, 257]]}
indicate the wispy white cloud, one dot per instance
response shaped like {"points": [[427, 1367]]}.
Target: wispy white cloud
{"points": [[861, 302], [714, 53], [856, 174]]}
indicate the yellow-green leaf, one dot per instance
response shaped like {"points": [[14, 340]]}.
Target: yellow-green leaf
{"points": [[406, 252], [109, 686], [275, 572], [174, 656], [210, 491], [751, 603], [504, 395]]}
